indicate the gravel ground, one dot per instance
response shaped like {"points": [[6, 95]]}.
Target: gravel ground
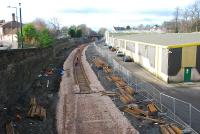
{"points": [[144, 127]]}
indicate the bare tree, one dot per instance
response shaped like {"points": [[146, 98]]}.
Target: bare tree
{"points": [[177, 15], [39, 24], [85, 30], [54, 26], [102, 31], [185, 20], [195, 12]]}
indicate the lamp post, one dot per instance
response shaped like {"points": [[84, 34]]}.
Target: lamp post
{"points": [[17, 22], [20, 15]]}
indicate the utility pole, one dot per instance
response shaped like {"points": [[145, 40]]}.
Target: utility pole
{"points": [[20, 14], [16, 24]]}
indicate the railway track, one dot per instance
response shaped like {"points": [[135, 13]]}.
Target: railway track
{"points": [[79, 73]]}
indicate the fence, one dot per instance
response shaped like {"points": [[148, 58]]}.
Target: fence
{"points": [[179, 111]]}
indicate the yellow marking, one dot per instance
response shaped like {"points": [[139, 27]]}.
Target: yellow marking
{"points": [[184, 45]]}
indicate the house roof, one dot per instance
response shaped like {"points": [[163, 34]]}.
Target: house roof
{"points": [[10, 24], [167, 40]]}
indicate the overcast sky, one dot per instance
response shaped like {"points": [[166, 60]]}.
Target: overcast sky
{"points": [[95, 13]]}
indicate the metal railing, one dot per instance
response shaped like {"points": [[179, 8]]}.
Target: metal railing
{"points": [[181, 112]]}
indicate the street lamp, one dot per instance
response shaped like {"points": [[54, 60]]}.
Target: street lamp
{"points": [[20, 15], [17, 22]]}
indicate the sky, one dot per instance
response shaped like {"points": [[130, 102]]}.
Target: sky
{"points": [[95, 13]]}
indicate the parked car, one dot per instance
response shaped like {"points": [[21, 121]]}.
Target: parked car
{"points": [[119, 53], [109, 47], [127, 59], [113, 49]]}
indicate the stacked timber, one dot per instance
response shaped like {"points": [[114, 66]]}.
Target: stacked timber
{"points": [[129, 90], [152, 108], [170, 129], [109, 93], [108, 78], [141, 114], [9, 128], [115, 78], [36, 111], [126, 91], [107, 69], [99, 63]]}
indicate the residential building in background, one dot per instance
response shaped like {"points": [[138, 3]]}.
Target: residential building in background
{"points": [[8, 32]]}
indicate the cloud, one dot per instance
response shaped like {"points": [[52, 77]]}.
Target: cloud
{"points": [[95, 13], [158, 12], [88, 10]]}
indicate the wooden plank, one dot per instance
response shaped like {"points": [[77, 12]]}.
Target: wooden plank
{"points": [[43, 114], [171, 131], [152, 108], [136, 111], [33, 111], [37, 111], [164, 129], [106, 69], [29, 112], [176, 129], [109, 93], [121, 83], [9, 128], [33, 101], [129, 90], [145, 118], [115, 78], [108, 78]]}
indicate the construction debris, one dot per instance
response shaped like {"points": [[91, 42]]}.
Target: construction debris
{"points": [[127, 99], [108, 78], [152, 108], [149, 112], [99, 63], [170, 129], [176, 129], [109, 93], [107, 69], [9, 128], [129, 90], [36, 111], [33, 101], [115, 78], [138, 113]]}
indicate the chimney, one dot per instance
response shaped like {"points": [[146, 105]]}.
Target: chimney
{"points": [[13, 17]]}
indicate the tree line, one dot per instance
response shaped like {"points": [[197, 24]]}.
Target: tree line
{"points": [[40, 33], [185, 19]]}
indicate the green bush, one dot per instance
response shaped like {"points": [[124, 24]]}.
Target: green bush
{"points": [[45, 39], [33, 37]]}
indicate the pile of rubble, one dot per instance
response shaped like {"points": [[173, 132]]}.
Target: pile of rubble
{"points": [[141, 109]]}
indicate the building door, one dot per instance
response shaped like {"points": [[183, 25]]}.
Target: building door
{"points": [[187, 74]]}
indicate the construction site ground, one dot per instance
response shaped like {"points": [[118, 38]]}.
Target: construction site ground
{"points": [[87, 113], [143, 126]]}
